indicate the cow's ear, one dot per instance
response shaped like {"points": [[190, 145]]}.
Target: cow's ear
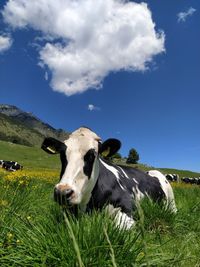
{"points": [[52, 145], [109, 147]]}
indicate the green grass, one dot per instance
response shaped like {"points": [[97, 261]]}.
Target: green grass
{"points": [[29, 157], [34, 232]]}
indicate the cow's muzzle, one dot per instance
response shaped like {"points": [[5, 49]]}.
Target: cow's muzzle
{"points": [[63, 194]]}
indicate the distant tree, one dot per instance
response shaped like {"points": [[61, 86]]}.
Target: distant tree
{"points": [[133, 156]]}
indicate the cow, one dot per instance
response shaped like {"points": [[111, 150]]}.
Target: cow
{"points": [[88, 181], [172, 177], [191, 180], [10, 165], [186, 180]]}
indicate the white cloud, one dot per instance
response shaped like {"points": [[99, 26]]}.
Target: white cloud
{"points": [[87, 39], [182, 16], [92, 107], [5, 43], [46, 76]]}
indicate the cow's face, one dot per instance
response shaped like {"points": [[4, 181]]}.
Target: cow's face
{"points": [[80, 165]]}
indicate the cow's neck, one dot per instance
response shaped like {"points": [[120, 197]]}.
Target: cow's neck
{"points": [[91, 184]]}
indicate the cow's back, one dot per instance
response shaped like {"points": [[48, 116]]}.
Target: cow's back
{"points": [[120, 185]]}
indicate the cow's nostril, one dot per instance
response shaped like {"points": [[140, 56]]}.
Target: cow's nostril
{"points": [[61, 196], [68, 193]]}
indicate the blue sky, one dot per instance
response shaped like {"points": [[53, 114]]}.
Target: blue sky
{"points": [[147, 97]]}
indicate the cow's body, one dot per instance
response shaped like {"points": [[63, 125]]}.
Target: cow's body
{"points": [[120, 185], [89, 182]]}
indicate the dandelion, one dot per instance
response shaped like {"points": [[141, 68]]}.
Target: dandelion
{"points": [[9, 235], [3, 203], [25, 176]]}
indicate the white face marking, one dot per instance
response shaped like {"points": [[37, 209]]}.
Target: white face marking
{"points": [[115, 172], [78, 144], [87, 190]]}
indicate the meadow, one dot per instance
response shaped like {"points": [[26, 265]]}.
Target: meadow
{"points": [[34, 231]]}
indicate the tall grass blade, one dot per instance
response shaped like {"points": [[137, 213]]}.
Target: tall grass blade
{"points": [[76, 247], [112, 254]]}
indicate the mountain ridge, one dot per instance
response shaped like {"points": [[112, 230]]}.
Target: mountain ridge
{"points": [[25, 128]]}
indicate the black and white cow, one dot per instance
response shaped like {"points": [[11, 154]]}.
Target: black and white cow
{"points": [[172, 177], [88, 182], [191, 180], [10, 165]]}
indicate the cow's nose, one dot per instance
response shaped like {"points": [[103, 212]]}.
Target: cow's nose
{"points": [[67, 193], [63, 195]]}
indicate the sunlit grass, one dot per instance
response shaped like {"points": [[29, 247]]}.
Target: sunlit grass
{"points": [[34, 231]]}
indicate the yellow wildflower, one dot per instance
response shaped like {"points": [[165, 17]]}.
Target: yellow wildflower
{"points": [[9, 235], [24, 176]]}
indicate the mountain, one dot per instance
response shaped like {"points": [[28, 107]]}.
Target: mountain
{"points": [[22, 127]]}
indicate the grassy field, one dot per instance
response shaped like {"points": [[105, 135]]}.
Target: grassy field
{"points": [[29, 157], [34, 232]]}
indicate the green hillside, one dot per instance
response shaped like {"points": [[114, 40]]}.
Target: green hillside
{"points": [[20, 127], [16, 132], [35, 157], [29, 157]]}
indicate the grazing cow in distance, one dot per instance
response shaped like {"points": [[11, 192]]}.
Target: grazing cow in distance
{"points": [[172, 177], [88, 181], [10, 165], [188, 180]]}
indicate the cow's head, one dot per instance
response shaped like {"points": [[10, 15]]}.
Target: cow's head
{"points": [[80, 165]]}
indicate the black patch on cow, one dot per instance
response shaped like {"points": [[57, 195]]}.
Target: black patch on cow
{"points": [[88, 162], [64, 161]]}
